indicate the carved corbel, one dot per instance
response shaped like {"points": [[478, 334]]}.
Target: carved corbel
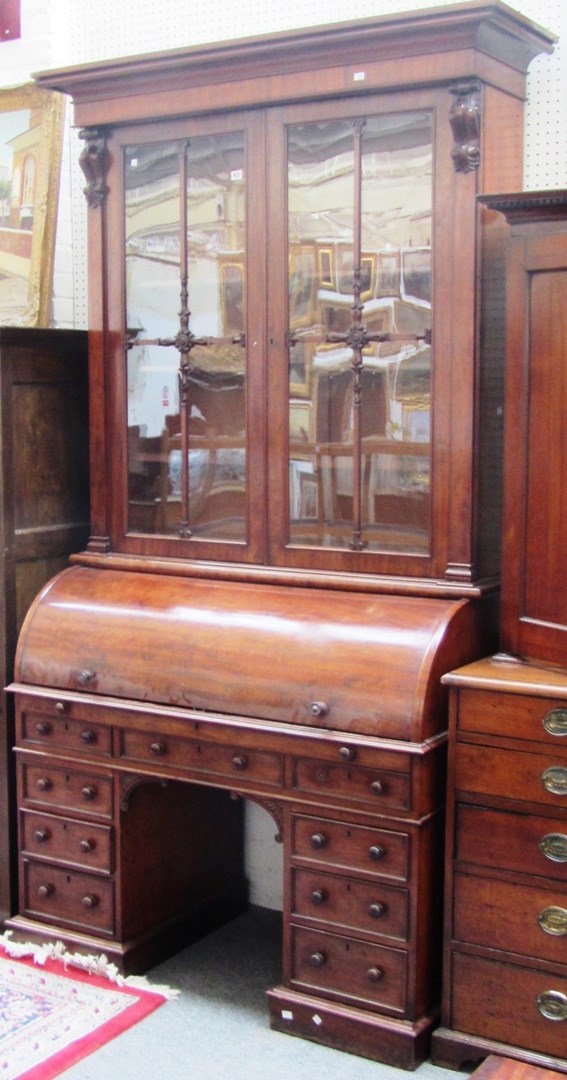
{"points": [[465, 125], [94, 161]]}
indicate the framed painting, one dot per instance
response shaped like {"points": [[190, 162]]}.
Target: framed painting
{"points": [[31, 125]]}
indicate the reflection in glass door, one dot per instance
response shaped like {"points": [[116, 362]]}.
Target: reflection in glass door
{"points": [[185, 318], [359, 254]]}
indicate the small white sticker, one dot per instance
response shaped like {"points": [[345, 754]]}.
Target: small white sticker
{"points": [[316, 1019], [236, 174], [359, 76], [286, 1014], [134, 163]]}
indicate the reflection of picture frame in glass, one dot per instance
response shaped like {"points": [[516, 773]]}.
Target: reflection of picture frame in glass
{"points": [[302, 285], [367, 273], [326, 268], [309, 498], [232, 296], [388, 281], [367, 276], [300, 362], [416, 275], [31, 121], [300, 414]]}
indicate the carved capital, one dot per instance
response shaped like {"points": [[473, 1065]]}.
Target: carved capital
{"points": [[94, 161], [465, 125]]}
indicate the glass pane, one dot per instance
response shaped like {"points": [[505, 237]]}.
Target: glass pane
{"points": [[374, 455], [198, 486]]}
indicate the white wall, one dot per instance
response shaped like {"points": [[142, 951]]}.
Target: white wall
{"points": [[63, 32]]}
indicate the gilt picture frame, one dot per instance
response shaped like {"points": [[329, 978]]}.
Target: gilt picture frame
{"points": [[31, 136]]}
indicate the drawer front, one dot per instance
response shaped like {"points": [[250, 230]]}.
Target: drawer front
{"points": [[261, 766], [353, 970], [352, 847], [524, 843], [512, 774], [41, 725], [374, 787], [68, 897], [511, 1004], [372, 908], [515, 715], [66, 789], [80, 843], [515, 918]]}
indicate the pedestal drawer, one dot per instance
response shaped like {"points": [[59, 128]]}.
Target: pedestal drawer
{"points": [[334, 843], [354, 970], [511, 1004], [372, 908], [68, 897], [45, 784], [376, 788], [63, 839], [196, 755], [517, 918], [525, 843]]}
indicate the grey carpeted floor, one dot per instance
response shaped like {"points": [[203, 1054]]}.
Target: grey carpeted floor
{"points": [[219, 1026]]}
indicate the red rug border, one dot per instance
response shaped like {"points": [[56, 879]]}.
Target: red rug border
{"points": [[148, 1001]]}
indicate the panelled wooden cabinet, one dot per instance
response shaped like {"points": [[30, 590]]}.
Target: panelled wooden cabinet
{"points": [[44, 508], [506, 905], [291, 538]]}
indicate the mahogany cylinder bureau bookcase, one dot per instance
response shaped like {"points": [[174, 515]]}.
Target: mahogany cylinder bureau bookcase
{"points": [[292, 540], [505, 976]]}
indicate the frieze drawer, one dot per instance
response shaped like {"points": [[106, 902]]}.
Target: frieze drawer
{"points": [[370, 907], [66, 789], [376, 788], [512, 774], [73, 898], [200, 756], [511, 1004], [354, 970], [523, 843], [57, 730], [352, 847], [81, 843], [517, 716]]}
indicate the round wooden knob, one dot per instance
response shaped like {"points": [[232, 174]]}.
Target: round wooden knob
{"points": [[87, 845], [375, 974], [158, 749], [88, 737], [46, 890], [318, 840], [90, 901], [62, 707], [240, 761], [42, 835], [89, 793], [317, 959], [318, 896], [44, 783], [376, 852], [377, 909], [346, 753], [376, 787], [43, 728], [85, 677], [319, 708]]}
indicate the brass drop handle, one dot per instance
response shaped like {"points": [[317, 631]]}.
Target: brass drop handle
{"points": [[319, 708], [552, 1005], [90, 901], [376, 909], [43, 728], [46, 890], [88, 736], [346, 753], [87, 846], [44, 783], [318, 896], [240, 761], [377, 787], [42, 835], [318, 840], [85, 677], [554, 780], [317, 959], [158, 749], [375, 974], [376, 852], [89, 792]]}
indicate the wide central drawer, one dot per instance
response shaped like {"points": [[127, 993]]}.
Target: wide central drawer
{"points": [[200, 756]]}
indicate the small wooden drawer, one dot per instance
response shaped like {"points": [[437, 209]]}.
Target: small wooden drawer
{"points": [[61, 839], [374, 787], [523, 843], [512, 774], [360, 905], [198, 756], [42, 725], [517, 716], [517, 918], [68, 897], [510, 1003], [353, 970], [45, 784], [351, 847]]}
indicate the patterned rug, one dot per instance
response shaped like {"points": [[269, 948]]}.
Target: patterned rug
{"points": [[57, 1007]]}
